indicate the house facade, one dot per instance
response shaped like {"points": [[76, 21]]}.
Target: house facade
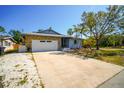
{"points": [[49, 40], [6, 42]]}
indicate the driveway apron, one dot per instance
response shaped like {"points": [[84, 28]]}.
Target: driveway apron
{"points": [[58, 70]]}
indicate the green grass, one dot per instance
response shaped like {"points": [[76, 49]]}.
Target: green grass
{"points": [[110, 52], [1, 78], [115, 56], [17, 65], [118, 60], [110, 55], [23, 81]]}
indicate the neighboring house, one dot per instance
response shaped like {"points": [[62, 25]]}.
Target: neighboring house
{"points": [[7, 42], [49, 40]]}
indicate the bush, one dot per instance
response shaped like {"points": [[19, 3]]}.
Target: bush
{"points": [[1, 54], [87, 52], [11, 51]]}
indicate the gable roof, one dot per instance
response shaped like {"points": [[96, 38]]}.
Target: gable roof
{"points": [[51, 35], [4, 37], [49, 31], [7, 38], [42, 34]]}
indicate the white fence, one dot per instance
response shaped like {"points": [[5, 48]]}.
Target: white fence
{"points": [[22, 48]]}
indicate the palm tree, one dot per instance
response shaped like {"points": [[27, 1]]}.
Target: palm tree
{"points": [[2, 29], [16, 35], [70, 32], [76, 30], [82, 29]]}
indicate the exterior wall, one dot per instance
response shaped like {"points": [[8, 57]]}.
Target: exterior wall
{"points": [[28, 40], [22, 48], [9, 46], [73, 45], [0, 43]]}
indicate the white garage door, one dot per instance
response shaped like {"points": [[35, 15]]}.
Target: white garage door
{"points": [[44, 45]]}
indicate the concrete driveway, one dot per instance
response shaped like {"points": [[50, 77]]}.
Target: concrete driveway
{"points": [[66, 71]]}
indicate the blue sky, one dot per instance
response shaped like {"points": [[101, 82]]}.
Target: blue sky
{"points": [[32, 18]]}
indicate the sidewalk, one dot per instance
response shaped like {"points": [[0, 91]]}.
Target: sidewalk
{"points": [[116, 82]]}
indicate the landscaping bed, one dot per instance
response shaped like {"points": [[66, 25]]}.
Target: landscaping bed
{"points": [[17, 70]]}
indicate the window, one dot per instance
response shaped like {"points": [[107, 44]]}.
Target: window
{"points": [[42, 41], [75, 41], [49, 41], [7, 43]]}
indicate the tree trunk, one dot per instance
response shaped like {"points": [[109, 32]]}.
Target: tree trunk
{"points": [[97, 44]]}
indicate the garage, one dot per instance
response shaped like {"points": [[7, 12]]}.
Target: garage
{"points": [[44, 45]]}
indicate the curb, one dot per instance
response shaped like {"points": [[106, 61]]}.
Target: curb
{"points": [[109, 79]]}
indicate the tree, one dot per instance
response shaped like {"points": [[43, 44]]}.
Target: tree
{"points": [[82, 30], [70, 32], [2, 29], [76, 30], [113, 40], [120, 21], [101, 23], [16, 35], [104, 42], [89, 43], [119, 38], [40, 30]]}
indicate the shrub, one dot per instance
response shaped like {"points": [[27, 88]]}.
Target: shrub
{"points": [[11, 51]]}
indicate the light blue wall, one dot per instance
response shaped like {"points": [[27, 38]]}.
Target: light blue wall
{"points": [[77, 45]]}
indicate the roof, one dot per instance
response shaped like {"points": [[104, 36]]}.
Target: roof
{"points": [[42, 34], [7, 38], [52, 35], [48, 31]]}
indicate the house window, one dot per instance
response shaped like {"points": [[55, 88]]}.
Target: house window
{"points": [[49, 41], [7, 43], [42, 41], [75, 41]]}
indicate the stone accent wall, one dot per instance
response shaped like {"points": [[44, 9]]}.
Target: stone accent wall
{"points": [[28, 40]]}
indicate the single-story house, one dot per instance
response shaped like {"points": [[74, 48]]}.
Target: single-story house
{"points": [[6, 42], [49, 40]]}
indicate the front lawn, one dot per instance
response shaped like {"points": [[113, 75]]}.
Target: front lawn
{"points": [[111, 55], [119, 60], [115, 56]]}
